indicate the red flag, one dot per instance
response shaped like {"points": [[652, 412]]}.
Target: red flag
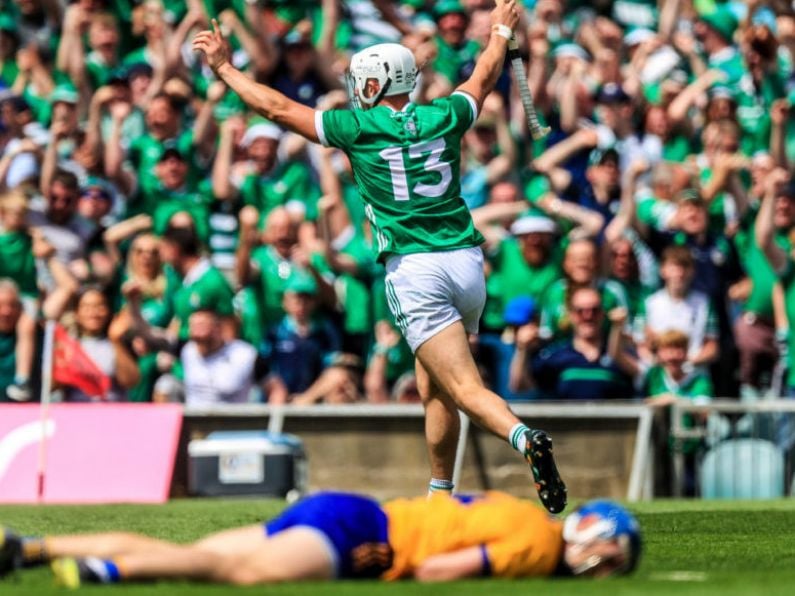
{"points": [[73, 367]]}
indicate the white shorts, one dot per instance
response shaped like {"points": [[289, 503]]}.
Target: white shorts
{"points": [[428, 292]]}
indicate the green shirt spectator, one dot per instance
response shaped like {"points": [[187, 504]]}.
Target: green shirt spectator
{"points": [[456, 55], [526, 264]]}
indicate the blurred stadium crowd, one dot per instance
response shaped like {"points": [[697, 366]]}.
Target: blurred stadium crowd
{"points": [[193, 251]]}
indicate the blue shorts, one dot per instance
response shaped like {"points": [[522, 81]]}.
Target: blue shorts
{"points": [[355, 526]]}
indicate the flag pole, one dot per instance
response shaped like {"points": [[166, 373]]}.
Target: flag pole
{"points": [[44, 408]]}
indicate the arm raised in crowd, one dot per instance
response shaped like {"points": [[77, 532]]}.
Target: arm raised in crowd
{"points": [[71, 57], [55, 302], [260, 60], [114, 152], [204, 128], [222, 164], [627, 215], [124, 230], [520, 375], [779, 117], [547, 163], [587, 220], [764, 228], [126, 373], [248, 240]]}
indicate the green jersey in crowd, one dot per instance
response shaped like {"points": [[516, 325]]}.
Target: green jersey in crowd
{"points": [[512, 276], [757, 267], [203, 287], [407, 167]]}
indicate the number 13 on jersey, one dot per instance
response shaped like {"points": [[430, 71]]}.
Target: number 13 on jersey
{"points": [[432, 169]]}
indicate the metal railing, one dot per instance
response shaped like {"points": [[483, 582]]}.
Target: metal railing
{"points": [[731, 449], [640, 476]]}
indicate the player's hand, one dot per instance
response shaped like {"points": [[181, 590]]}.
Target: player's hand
{"points": [[505, 13], [214, 46]]}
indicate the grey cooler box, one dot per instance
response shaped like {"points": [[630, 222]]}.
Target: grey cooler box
{"points": [[231, 463]]}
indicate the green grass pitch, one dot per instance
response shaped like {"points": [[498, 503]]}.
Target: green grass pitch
{"points": [[691, 547]]}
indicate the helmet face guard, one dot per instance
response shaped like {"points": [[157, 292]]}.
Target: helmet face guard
{"points": [[603, 521]]}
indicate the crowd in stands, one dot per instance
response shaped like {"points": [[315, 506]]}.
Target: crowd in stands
{"points": [[199, 253]]}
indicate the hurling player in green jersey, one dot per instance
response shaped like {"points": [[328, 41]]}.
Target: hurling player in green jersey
{"points": [[406, 162]]}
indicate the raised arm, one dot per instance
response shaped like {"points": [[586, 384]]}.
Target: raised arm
{"points": [[490, 63], [764, 227], [265, 101]]}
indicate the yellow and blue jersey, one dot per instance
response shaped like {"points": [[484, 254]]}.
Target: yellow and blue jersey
{"points": [[391, 541], [518, 537]]}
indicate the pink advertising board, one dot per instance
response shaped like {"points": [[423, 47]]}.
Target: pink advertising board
{"points": [[96, 453]]}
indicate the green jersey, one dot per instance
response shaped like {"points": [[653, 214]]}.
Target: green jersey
{"points": [[512, 276], [203, 287], [407, 165], [8, 362], [18, 263]]}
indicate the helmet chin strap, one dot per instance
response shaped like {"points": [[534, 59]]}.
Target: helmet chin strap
{"points": [[384, 89]]}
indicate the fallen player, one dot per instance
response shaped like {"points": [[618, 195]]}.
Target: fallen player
{"points": [[338, 535]]}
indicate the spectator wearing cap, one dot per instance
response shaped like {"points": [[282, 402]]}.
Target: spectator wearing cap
{"points": [[216, 370], [580, 269], [525, 264], [262, 178], [164, 131], [300, 345], [456, 56], [202, 285], [598, 188], [580, 368], [176, 193], [302, 73]]}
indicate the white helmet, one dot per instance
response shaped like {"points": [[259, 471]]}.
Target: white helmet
{"points": [[391, 64]]}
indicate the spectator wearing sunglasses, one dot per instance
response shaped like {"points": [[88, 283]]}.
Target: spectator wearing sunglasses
{"points": [[579, 368]]}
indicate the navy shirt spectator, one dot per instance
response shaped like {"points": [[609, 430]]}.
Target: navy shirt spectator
{"points": [[579, 368], [302, 343]]}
